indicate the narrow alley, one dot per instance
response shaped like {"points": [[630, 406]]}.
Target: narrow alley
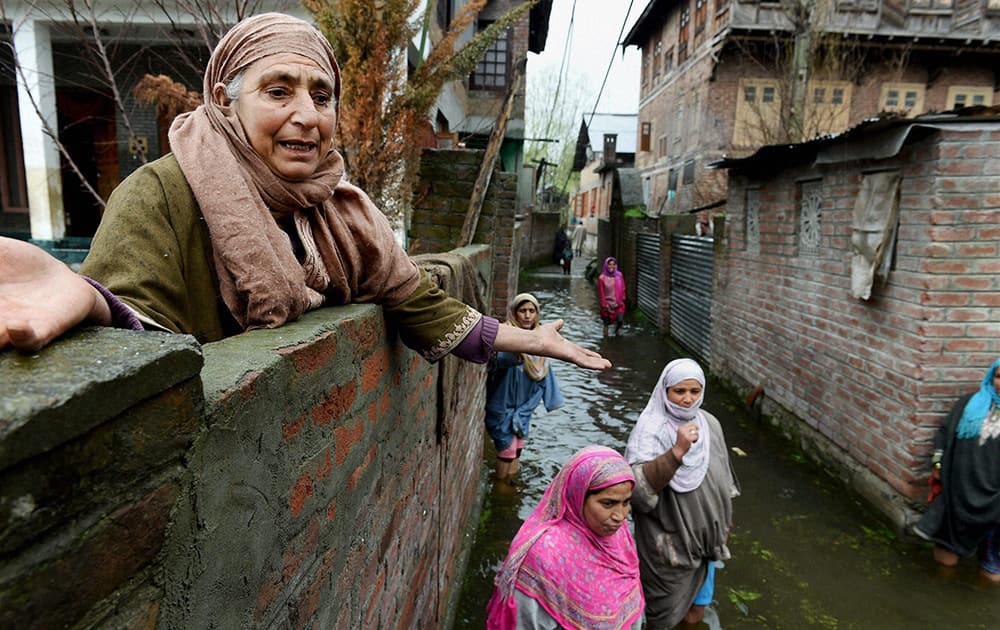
{"points": [[806, 553]]}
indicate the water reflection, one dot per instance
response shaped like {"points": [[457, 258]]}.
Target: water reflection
{"points": [[806, 553]]}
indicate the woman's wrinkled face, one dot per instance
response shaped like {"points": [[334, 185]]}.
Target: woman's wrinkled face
{"points": [[287, 108], [526, 315], [996, 380], [606, 510], [685, 393]]}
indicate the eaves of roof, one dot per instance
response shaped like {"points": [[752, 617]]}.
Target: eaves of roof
{"points": [[652, 19], [874, 138]]}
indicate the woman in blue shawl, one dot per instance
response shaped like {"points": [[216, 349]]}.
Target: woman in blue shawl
{"points": [[517, 383], [963, 519]]}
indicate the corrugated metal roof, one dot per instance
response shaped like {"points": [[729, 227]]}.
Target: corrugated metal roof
{"points": [[883, 137]]}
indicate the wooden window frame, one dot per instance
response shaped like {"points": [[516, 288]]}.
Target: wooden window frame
{"points": [[754, 121], [700, 11], [971, 90], [682, 34], [645, 135], [825, 116], [902, 89], [487, 76]]}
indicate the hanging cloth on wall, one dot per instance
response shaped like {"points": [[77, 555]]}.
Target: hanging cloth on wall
{"points": [[873, 235]]}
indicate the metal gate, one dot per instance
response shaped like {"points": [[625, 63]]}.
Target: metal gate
{"points": [[691, 294], [647, 282]]}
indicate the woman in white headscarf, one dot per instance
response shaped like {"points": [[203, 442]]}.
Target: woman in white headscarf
{"points": [[682, 499]]}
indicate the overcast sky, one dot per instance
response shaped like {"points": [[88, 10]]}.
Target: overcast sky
{"points": [[591, 47]]}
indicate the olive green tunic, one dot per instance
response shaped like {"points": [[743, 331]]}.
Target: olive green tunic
{"points": [[154, 252]]}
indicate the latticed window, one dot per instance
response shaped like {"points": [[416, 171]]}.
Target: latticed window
{"points": [[752, 226], [491, 72], [810, 211], [657, 51], [668, 60]]}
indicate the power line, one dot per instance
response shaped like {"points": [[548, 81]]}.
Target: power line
{"points": [[562, 68], [605, 81]]}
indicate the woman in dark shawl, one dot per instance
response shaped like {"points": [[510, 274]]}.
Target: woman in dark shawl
{"points": [[964, 519]]}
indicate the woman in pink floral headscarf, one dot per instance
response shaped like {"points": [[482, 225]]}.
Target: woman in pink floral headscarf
{"points": [[611, 289], [573, 562]]}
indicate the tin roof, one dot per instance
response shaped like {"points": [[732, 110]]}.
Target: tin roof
{"points": [[874, 138]]}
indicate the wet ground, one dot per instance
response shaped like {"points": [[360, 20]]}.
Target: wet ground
{"points": [[806, 553]]}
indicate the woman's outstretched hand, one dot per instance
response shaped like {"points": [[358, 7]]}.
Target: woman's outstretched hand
{"points": [[41, 298], [546, 341]]}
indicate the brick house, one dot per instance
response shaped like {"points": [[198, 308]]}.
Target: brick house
{"points": [[859, 358], [42, 198], [604, 157], [723, 77]]}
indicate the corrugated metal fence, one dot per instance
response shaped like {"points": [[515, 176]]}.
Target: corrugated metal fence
{"points": [[691, 294], [647, 282]]}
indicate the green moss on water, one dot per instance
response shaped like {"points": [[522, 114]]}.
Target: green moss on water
{"points": [[817, 617]]}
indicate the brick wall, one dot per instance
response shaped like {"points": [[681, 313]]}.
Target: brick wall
{"points": [[447, 178], [306, 476], [865, 383]]}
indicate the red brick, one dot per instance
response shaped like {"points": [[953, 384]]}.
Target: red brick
{"points": [[335, 404], [345, 437], [312, 356], [372, 370], [301, 492]]}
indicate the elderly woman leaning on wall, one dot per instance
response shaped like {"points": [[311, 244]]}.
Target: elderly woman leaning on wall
{"points": [[249, 223]]}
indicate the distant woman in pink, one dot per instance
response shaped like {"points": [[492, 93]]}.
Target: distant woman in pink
{"points": [[573, 563], [611, 287]]}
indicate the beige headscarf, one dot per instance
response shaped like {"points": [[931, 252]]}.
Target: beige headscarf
{"points": [[536, 367], [350, 253]]}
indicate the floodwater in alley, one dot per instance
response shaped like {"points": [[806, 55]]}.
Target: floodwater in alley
{"points": [[806, 553]]}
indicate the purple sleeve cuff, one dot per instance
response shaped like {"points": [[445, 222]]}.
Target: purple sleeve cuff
{"points": [[121, 315], [478, 344]]}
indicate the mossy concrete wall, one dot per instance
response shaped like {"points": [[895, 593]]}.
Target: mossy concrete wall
{"points": [[319, 475]]}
